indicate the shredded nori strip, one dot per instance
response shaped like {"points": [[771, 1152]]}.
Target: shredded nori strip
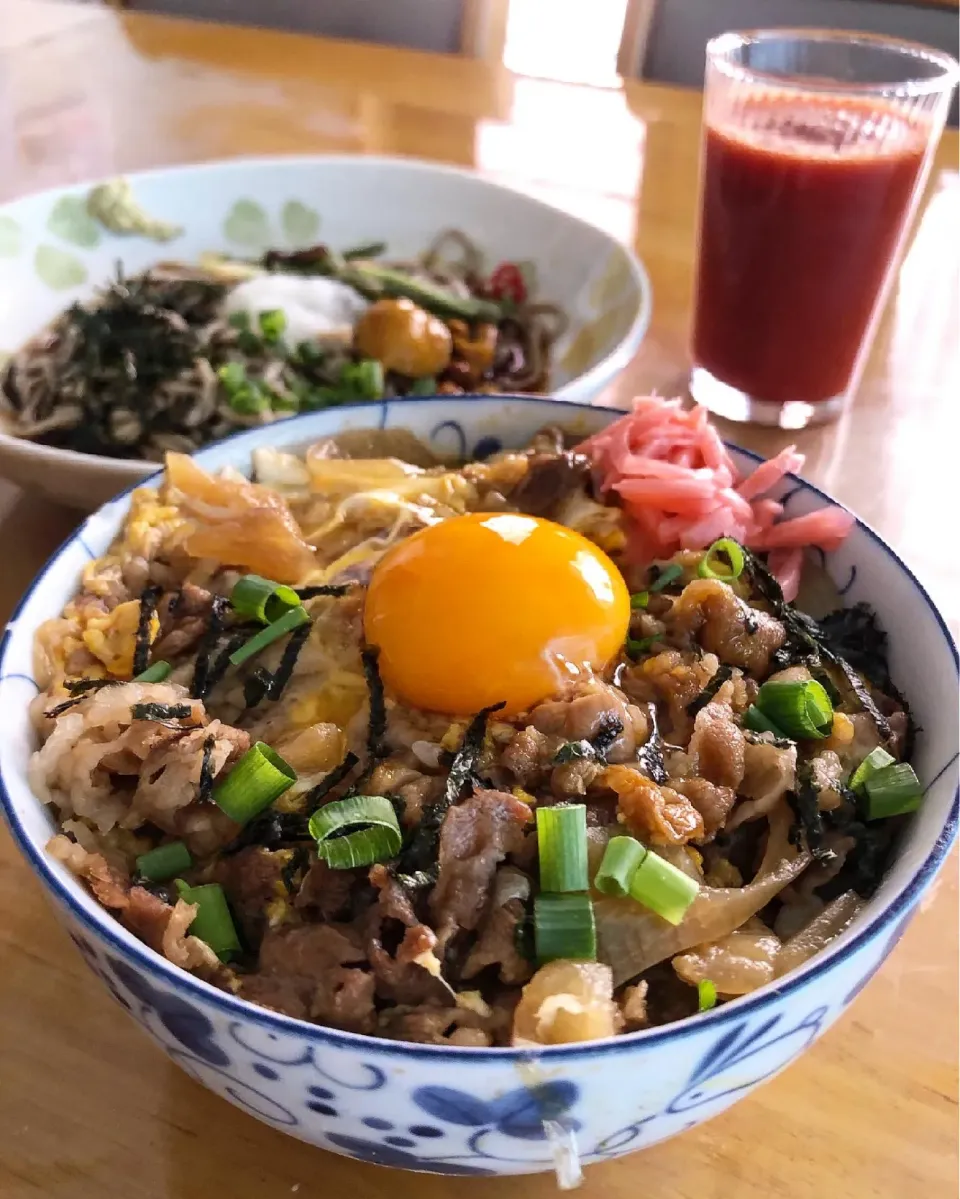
{"points": [[200, 686], [751, 622], [288, 661], [256, 686], [418, 879], [308, 593], [809, 826], [206, 770], [610, 728], [757, 739], [161, 713], [806, 638], [218, 667], [80, 686], [650, 757], [465, 760], [300, 860], [148, 606], [377, 728], [270, 830], [420, 853], [333, 779], [711, 689], [574, 751], [53, 713]]}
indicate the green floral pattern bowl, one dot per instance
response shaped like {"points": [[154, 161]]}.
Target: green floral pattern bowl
{"points": [[52, 253]]}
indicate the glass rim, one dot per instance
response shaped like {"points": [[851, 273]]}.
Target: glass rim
{"points": [[721, 47]]}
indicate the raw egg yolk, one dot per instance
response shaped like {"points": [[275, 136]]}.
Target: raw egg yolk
{"points": [[491, 607]]}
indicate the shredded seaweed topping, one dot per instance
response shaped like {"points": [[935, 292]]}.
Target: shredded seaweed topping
{"points": [[828, 641], [200, 686], [420, 853], [308, 593], [377, 728], [465, 761], [53, 713], [217, 666], [81, 686], [206, 770], [711, 689], [650, 757], [262, 684], [270, 830], [161, 713], [333, 779], [148, 606], [809, 825], [596, 749], [418, 880]]}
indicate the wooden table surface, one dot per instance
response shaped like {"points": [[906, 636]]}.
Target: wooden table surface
{"points": [[88, 1107]]}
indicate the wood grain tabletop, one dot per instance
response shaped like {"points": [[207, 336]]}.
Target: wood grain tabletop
{"points": [[88, 1107]]}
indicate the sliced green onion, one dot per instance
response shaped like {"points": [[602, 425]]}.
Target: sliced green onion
{"points": [[892, 791], [213, 922], [706, 995], [233, 376], [712, 567], [755, 720], [875, 760], [635, 647], [802, 710], [620, 861], [564, 927], [426, 385], [364, 378], [260, 777], [250, 400], [375, 835], [272, 324], [263, 599], [663, 888], [640, 600], [668, 575], [367, 249], [562, 844], [154, 674], [164, 862], [273, 632]]}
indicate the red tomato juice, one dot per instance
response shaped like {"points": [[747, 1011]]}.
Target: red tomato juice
{"points": [[805, 200]]}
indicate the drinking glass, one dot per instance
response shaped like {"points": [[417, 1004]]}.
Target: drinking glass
{"points": [[816, 148]]}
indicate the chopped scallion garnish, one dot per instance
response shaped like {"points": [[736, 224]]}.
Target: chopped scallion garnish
{"points": [[755, 720], [892, 791], [621, 859], [272, 324], [263, 599], [273, 632], [668, 575], [640, 600], [164, 862], [260, 777], [562, 845], [213, 922], [663, 888], [638, 646], [564, 927], [801, 710], [706, 995], [356, 831], [363, 378], [712, 565], [155, 673], [875, 760]]}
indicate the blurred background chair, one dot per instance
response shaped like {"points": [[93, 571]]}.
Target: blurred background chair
{"points": [[471, 27], [664, 40]]}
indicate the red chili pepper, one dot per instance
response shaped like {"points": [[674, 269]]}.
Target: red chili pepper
{"points": [[507, 283]]}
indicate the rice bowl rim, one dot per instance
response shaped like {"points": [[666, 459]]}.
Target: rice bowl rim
{"points": [[861, 932]]}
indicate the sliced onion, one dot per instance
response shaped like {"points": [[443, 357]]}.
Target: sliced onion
{"points": [[835, 917], [631, 940]]}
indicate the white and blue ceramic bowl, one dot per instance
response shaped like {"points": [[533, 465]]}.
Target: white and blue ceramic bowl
{"points": [[52, 254], [481, 1111]]}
